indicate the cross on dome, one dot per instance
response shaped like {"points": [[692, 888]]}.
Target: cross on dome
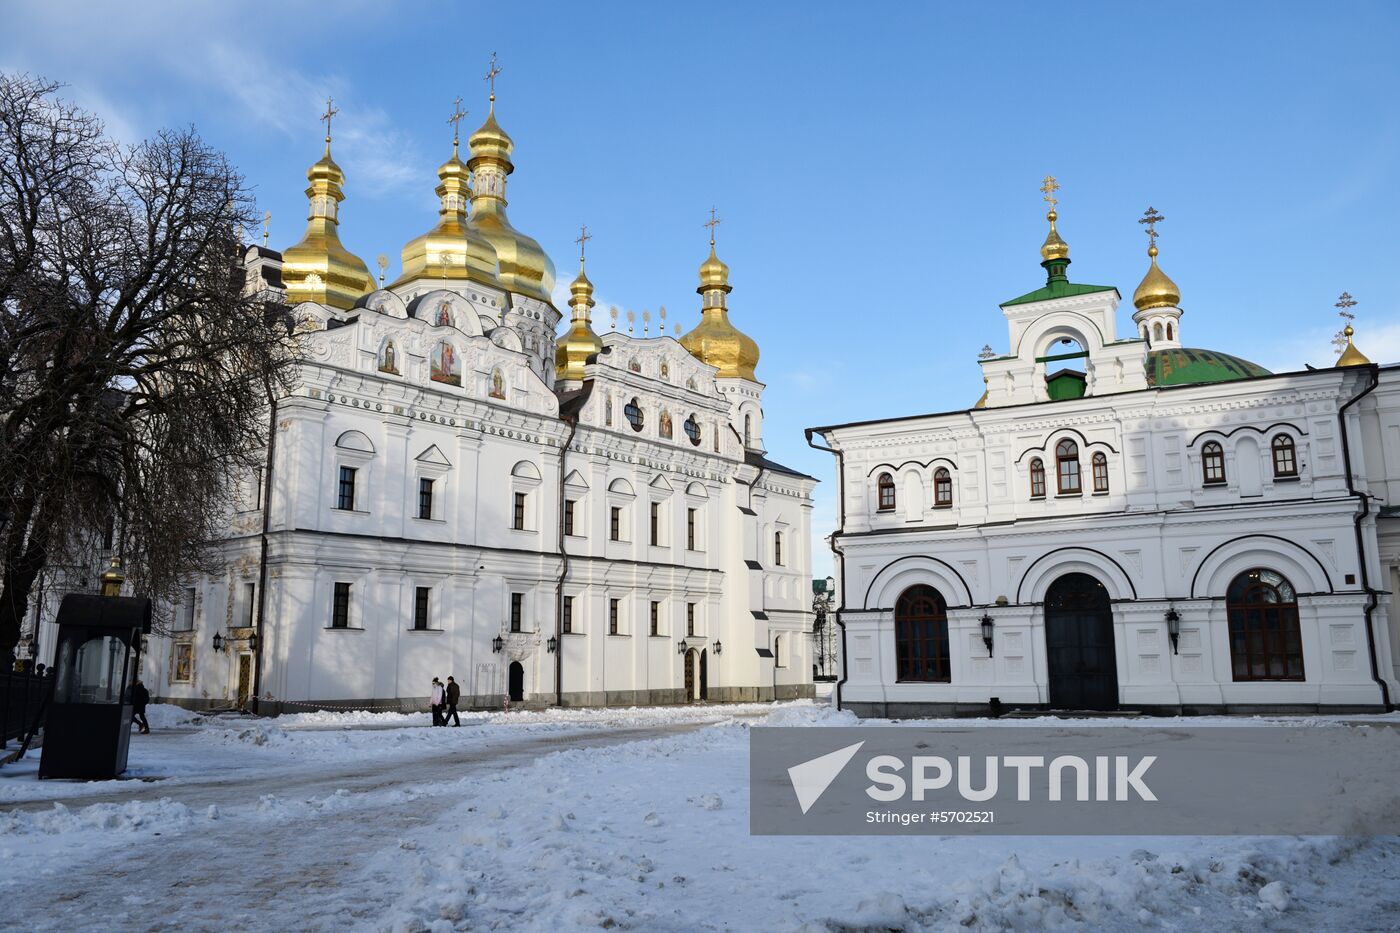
{"points": [[456, 119], [712, 223], [1151, 218], [331, 111], [1048, 188], [491, 76], [582, 240]]}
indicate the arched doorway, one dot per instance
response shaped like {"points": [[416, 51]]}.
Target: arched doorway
{"points": [[921, 636], [517, 682], [1080, 655], [690, 672], [704, 674]]}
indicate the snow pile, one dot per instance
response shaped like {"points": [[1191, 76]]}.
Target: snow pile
{"points": [[136, 815], [169, 716]]}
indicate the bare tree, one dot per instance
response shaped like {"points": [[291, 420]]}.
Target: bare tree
{"points": [[134, 371]]}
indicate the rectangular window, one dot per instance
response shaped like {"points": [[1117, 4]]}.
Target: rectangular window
{"points": [[569, 516], [182, 662], [612, 617], [615, 523], [345, 498], [420, 607], [184, 612], [518, 519], [517, 611], [690, 620], [566, 623], [655, 524], [690, 529], [778, 548], [340, 610], [257, 487], [425, 498], [250, 604], [655, 617]]}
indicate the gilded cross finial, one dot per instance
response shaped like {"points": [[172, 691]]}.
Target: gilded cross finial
{"points": [[456, 119], [1344, 305], [267, 223], [582, 241], [326, 118], [712, 223], [1048, 188], [1151, 218], [491, 76], [382, 261]]}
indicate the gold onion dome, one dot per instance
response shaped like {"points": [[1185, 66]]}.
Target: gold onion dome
{"points": [[1054, 247], [525, 268], [1352, 356], [1156, 290], [452, 249], [580, 344], [715, 340], [319, 268]]}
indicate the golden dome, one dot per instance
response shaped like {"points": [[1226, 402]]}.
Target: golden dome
{"points": [[1156, 290], [1053, 247], [715, 340], [1352, 356], [524, 268], [572, 353], [319, 268], [451, 250]]}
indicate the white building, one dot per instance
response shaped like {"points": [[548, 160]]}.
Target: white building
{"points": [[1157, 528], [451, 491]]}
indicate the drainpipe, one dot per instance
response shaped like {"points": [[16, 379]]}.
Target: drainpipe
{"points": [[572, 422], [262, 555], [1364, 501], [840, 554]]}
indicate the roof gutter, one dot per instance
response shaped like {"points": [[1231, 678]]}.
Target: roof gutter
{"points": [[1364, 501], [836, 549]]}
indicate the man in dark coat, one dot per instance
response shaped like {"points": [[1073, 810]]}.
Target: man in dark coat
{"points": [[140, 696], [454, 694]]}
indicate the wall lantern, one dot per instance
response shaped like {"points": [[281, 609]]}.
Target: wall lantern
{"points": [[552, 645], [218, 642], [719, 647], [1173, 626], [253, 642], [680, 646], [497, 644], [987, 625]]}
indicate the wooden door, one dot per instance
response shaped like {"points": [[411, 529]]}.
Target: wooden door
{"points": [[1081, 656]]}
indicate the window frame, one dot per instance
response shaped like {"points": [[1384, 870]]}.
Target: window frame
{"points": [[425, 497], [885, 498], [519, 510], [1264, 631], [928, 633], [422, 608], [1037, 477], [689, 620], [634, 414], [1285, 445], [517, 613], [569, 506], [614, 616], [566, 616], [654, 615], [1213, 461], [778, 549], [615, 523], [342, 593], [1099, 466], [1067, 469], [345, 491], [942, 488], [654, 520]]}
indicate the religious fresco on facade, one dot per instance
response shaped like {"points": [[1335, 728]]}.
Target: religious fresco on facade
{"points": [[665, 423], [443, 317], [498, 386], [389, 359], [445, 365]]}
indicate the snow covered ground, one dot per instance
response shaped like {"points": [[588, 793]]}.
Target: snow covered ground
{"points": [[588, 819]]}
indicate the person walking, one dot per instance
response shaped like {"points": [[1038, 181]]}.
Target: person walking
{"points": [[454, 695], [436, 702], [140, 696]]}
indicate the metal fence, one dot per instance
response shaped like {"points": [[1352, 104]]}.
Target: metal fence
{"points": [[22, 700]]}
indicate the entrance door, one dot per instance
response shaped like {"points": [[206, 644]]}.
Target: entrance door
{"points": [[689, 675], [1079, 646], [245, 679], [704, 675], [517, 682]]}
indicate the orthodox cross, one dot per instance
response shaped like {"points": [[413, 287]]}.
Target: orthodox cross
{"points": [[326, 117], [1151, 218], [382, 262], [582, 240], [267, 222], [456, 119], [491, 75], [1346, 303], [712, 223], [1049, 188]]}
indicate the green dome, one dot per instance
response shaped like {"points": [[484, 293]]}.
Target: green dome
{"points": [[1188, 366]]}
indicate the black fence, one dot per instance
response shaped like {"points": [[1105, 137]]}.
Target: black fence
{"points": [[22, 701]]}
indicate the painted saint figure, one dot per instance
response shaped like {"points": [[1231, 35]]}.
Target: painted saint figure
{"points": [[498, 389], [444, 315], [445, 367], [388, 361], [665, 424]]}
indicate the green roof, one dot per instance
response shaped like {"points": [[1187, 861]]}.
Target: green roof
{"points": [[1188, 366], [1057, 288]]}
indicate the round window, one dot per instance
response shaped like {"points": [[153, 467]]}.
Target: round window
{"points": [[633, 411], [692, 430]]}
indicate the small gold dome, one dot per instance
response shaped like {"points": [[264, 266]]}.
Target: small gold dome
{"points": [[715, 340], [572, 353], [525, 268], [319, 267], [1053, 247], [1352, 356], [1156, 290], [451, 250]]}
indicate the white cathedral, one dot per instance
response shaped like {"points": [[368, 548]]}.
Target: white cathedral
{"points": [[1123, 522], [452, 490]]}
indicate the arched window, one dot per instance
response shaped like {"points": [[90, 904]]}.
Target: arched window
{"points": [[1157, 331], [1212, 464], [1169, 331], [1285, 459], [921, 635], [942, 488], [692, 430], [1100, 473], [1037, 479], [885, 485], [1067, 467], [778, 548], [1144, 332], [633, 411], [1265, 643], [748, 430]]}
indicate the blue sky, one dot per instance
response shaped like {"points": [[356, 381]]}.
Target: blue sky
{"points": [[876, 165]]}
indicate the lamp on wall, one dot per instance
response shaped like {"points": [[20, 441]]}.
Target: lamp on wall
{"points": [[830, 584], [552, 645], [987, 625], [253, 642], [719, 647], [1173, 626], [497, 644], [218, 642], [680, 646]]}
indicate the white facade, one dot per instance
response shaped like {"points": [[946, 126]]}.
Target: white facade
{"points": [[1155, 535]]}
